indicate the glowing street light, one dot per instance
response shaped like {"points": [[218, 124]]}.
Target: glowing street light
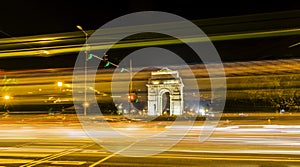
{"points": [[6, 97], [59, 84], [81, 29], [86, 104], [6, 101]]}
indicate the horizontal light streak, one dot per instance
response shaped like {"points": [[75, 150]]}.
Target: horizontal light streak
{"points": [[36, 86], [72, 48]]}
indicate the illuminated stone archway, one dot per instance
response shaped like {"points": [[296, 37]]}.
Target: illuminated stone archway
{"points": [[161, 82]]}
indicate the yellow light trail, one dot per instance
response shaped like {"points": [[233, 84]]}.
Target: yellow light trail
{"points": [[72, 48], [40, 87]]}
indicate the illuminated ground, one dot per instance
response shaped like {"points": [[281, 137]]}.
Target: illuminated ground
{"points": [[58, 140]]}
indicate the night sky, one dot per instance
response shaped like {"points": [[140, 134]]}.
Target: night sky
{"points": [[33, 17], [28, 17]]}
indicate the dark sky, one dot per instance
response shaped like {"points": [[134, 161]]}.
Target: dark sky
{"points": [[35, 17], [32, 17]]}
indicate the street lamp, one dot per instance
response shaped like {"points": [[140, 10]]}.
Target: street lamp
{"points": [[85, 69], [6, 97], [59, 84], [6, 100]]}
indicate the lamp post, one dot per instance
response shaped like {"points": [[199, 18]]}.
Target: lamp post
{"points": [[130, 86], [59, 84], [85, 104], [6, 100]]}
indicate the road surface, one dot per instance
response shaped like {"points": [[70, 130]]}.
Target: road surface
{"points": [[59, 140]]}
